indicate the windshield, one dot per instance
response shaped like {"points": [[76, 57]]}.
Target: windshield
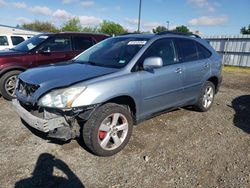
{"points": [[30, 43], [112, 52]]}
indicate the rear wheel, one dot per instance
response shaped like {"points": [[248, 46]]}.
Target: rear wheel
{"points": [[206, 97], [108, 130], [8, 84]]}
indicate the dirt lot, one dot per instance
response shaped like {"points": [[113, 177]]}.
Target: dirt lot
{"points": [[178, 149]]}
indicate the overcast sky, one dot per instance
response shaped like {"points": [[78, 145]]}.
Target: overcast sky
{"points": [[207, 16]]}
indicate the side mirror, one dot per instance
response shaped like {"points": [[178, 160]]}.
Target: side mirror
{"points": [[44, 51], [152, 63]]}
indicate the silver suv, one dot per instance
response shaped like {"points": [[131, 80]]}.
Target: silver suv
{"points": [[104, 91]]}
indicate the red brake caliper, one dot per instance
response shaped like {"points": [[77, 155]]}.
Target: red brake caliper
{"points": [[102, 134]]}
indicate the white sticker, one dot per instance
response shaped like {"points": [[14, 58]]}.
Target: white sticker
{"points": [[43, 37], [122, 61], [30, 46], [137, 42]]}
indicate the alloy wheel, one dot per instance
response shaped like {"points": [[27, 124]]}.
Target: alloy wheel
{"points": [[113, 131]]}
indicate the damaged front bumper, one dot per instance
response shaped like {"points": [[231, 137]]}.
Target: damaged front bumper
{"points": [[55, 125]]}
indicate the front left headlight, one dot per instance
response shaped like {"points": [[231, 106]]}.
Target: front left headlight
{"points": [[61, 98]]}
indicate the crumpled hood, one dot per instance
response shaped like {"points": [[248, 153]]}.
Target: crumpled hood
{"points": [[62, 75]]}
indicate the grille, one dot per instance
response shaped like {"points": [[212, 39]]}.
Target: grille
{"points": [[26, 89]]}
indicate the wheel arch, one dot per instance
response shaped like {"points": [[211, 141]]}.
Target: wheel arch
{"points": [[215, 81], [125, 100], [13, 68]]}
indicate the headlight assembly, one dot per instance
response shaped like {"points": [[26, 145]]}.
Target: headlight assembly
{"points": [[61, 98]]}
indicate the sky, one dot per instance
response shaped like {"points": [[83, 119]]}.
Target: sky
{"points": [[209, 17]]}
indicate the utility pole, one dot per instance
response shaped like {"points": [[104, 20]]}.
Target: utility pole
{"points": [[167, 25], [139, 19]]}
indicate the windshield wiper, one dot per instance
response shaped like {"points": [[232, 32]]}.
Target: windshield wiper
{"points": [[91, 62], [85, 62]]}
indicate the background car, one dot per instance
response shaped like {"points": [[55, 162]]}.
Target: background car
{"points": [[41, 50], [10, 41]]}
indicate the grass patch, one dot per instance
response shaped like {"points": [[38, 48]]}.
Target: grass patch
{"points": [[236, 69]]}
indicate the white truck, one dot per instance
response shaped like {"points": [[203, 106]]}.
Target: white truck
{"points": [[8, 41]]}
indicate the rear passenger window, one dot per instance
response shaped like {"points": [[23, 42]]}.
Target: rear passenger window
{"points": [[187, 50], [203, 53], [3, 41], [16, 40], [82, 43], [163, 48]]}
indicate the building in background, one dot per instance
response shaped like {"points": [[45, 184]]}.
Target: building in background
{"points": [[12, 36], [8, 30]]}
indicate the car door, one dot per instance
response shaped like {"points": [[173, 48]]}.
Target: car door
{"points": [[56, 49], [196, 67], [161, 88]]}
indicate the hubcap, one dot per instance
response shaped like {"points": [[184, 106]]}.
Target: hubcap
{"points": [[113, 131], [208, 97], [10, 85]]}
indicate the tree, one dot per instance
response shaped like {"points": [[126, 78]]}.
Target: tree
{"points": [[111, 28], [90, 29], [159, 29], [40, 26], [181, 29], [72, 24], [245, 31]]}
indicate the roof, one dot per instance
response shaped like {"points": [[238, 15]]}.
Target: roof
{"points": [[167, 33], [138, 35]]}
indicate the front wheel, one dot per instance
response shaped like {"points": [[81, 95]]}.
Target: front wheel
{"points": [[206, 97], [108, 130], [8, 84]]}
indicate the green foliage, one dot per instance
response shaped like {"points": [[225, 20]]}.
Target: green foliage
{"points": [[111, 28], [245, 30], [181, 29], [159, 29], [40, 26], [89, 29], [72, 24]]}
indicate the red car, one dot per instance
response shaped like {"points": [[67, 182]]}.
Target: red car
{"points": [[41, 50]]}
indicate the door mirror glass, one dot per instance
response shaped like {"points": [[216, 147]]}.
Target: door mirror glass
{"points": [[152, 63], [45, 50]]}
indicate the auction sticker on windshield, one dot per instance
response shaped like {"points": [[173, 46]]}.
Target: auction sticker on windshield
{"points": [[137, 42]]}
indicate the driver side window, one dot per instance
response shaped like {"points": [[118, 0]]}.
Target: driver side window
{"points": [[57, 44]]}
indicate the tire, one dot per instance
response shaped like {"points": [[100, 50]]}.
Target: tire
{"points": [[9, 79], [100, 133], [206, 97]]}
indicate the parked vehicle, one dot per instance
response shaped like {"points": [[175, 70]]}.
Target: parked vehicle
{"points": [[117, 83], [41, 50], [10, 41]]}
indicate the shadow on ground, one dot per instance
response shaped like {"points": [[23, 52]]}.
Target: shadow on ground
{"points": [[43, 177], [241, 106]]}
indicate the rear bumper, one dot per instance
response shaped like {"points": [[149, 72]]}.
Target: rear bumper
{"points": [[56, 127]]}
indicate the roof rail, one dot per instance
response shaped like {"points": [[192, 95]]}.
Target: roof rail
{"points": [[128, 33], [179, 33]]}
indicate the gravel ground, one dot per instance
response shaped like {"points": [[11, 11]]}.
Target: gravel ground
{"points": [[182, 148]]}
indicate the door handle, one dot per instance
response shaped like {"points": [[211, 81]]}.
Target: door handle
{"points": [[206, 65], [178, 70]]}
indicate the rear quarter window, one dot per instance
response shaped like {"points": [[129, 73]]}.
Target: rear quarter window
{"points": [[203, 52]]}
